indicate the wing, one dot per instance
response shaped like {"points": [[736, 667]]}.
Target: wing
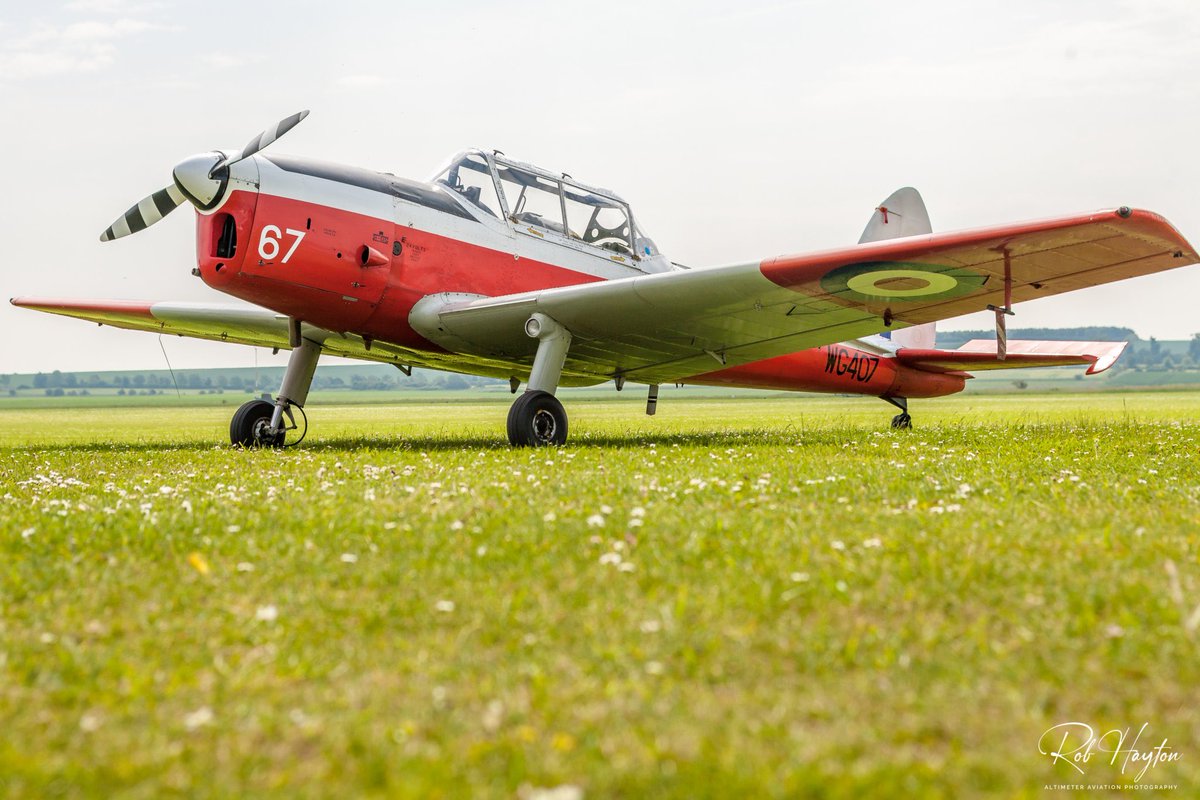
{"points": [[666, 327], [249, 325], [980, 354], [221, 323]]}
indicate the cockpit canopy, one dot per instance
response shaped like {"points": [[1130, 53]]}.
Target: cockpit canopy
{"points": [[537, 202]]}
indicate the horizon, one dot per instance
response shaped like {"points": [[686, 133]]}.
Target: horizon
{"points": [[349, 367]]}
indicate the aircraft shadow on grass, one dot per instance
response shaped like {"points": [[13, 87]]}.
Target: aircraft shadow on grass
{"points": [[776, 437], [790, 435]]}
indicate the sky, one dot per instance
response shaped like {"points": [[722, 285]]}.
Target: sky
{"points": [[736, 131]]}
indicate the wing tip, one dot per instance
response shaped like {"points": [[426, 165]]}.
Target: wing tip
{"points": [[1107, 358], [55, 305]]}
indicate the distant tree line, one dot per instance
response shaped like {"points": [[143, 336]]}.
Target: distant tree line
{"points": [[58, 383], [425, 379], [1095, 333], [1153, 356], [149, 380], [1148, 355]]}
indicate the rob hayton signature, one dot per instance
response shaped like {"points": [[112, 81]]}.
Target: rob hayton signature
{"points": [[1076, 743]]}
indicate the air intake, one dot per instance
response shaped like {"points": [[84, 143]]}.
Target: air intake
{"points": [[227, 241]]}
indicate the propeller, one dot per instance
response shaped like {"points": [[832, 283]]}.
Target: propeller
{"points": [[200, 179], [261, 141], [148, 211]]}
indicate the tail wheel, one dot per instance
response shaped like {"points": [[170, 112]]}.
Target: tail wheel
{"points": [[537, 419], [250, 425]]}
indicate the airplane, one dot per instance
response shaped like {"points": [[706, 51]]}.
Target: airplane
{"points": [[499, 268]]}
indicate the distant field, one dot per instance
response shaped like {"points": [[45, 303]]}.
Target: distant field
{"points": [[769, 596], [1065, 380], [1072, 380]]}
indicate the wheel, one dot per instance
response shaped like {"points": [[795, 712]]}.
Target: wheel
{"points": [[249, 425], [537, 419], [902, 421]]}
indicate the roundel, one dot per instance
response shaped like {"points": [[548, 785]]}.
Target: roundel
{"points": [[899, 280]]}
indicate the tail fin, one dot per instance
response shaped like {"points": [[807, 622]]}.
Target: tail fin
{"points": [[902, 214]]}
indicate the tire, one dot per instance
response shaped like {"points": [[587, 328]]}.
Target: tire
{"points": [[537, 419], [247, 429]]}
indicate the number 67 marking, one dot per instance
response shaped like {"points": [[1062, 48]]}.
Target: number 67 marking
{"points": [[268, 243]]}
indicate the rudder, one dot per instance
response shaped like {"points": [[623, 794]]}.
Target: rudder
{"points": [[902, 214]]}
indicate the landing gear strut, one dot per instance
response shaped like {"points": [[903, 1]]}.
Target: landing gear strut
{"points": [[537, 419], [260, 423], [901, 420]]}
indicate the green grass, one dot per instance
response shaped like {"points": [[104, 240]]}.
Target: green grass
{"points": [[753, 597]]}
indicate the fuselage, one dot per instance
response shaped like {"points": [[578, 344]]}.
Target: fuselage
{"points": [[354, 251]]}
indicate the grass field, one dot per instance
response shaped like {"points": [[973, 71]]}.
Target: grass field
{"points": [[756, 597]]}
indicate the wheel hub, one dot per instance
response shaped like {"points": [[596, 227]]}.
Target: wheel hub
{"points": [[262, 431], [544, 426]]}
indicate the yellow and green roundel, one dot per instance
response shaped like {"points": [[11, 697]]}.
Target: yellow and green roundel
{"points": [[892, 281]]}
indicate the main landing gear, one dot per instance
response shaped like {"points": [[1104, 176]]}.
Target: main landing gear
{"points": [[251, 423], [901, 420], [537, 418], [259, 423]]}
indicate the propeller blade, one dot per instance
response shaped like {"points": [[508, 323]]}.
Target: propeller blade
{"points": [[262, 140], [147, 212]]}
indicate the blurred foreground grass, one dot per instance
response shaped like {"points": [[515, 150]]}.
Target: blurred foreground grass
{"points": [[752, 597]]}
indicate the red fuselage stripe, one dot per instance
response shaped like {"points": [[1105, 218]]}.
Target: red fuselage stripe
{"points": [[323, 283]]}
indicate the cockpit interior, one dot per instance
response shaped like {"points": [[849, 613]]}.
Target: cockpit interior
{"points": [[539, 203]]}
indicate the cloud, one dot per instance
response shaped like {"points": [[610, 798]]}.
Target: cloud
{"points": [[230, 60], [1055, 57], [111, 6], [27, 64], [74, 47], [361, 81], [85, 32]]}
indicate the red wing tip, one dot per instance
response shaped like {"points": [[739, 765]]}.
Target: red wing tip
{"points": [[136, 307]]}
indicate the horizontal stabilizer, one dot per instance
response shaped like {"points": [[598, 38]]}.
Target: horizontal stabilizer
{"points": [[980, 354]]}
